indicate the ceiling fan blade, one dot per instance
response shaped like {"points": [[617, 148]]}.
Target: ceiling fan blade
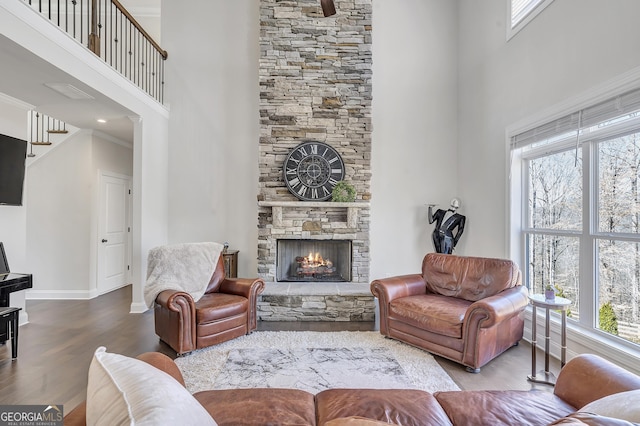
{"points": [[328, 8]]}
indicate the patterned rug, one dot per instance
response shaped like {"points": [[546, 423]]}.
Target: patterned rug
{"points": [[313, 361]]}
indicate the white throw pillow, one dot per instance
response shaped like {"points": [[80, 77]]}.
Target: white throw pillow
{"points": [[623, 405], [127, 391]]}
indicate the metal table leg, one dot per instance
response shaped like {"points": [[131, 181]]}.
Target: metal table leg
{"points": [[563, 347], [532, 377], [547, 340]]}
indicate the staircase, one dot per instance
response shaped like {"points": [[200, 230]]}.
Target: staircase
{"points": [[45, 131]]}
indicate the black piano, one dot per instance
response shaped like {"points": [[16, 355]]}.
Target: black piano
{"points": [[10, 282], [13, 282]]}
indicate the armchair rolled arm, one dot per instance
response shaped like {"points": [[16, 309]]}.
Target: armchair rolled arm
{"points": [[497, 308], [175, 320], [388, 289], [501, 310], [176, 301], [246, 287], [249, 288]]}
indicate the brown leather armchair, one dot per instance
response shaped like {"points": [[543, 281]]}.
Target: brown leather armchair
{"points": [[227, 310], [466, 309]]}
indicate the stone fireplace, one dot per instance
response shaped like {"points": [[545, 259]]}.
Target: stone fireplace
{"points": [[315, 85], [319, 223]]}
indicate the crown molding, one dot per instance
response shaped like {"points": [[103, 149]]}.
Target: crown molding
{"points": [[15, 102]]}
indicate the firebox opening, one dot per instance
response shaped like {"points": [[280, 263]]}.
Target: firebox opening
{"points": [[313, 260]]}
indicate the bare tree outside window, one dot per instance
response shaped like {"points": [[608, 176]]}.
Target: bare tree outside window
{"points": [[555, 192], [555, 204], [618, 214]]}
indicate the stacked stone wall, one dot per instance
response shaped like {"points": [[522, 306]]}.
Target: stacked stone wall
{"points": [[315, 84], [316, 308]]}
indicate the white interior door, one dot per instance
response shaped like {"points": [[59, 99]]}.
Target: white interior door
{"points": [[113, 233]]}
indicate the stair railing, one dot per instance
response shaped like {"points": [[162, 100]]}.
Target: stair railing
{"points": [[109, 31], [44, 131]]}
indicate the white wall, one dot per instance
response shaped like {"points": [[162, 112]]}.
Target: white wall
{"points": [[147, 13], [570, 47], [214, 126], [62, 203], [414, 129], [58, 219], [13, 122], [111, 154]]}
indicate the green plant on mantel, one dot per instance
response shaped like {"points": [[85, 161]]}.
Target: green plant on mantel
{"points": [[343, 192]]}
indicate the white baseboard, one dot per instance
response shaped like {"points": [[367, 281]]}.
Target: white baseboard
{"points": [[138, 308], [23, 318], [60, 294]]}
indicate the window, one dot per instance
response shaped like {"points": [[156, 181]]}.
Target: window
{"points": [[576, 197], [521, 12]]}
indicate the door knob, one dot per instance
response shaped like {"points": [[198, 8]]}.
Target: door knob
{"points": [[104, 241]]}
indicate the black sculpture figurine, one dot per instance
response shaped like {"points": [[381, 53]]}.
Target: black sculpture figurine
{"points": [[444, 239]]}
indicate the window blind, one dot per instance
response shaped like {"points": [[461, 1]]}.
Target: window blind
{"points": [[594, 115], [520, 9]]}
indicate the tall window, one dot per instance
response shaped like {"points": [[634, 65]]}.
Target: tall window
{"points": [[577, 179], [521, 12]]}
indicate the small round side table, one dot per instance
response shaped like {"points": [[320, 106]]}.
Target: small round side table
{"points": [[558, 303]]}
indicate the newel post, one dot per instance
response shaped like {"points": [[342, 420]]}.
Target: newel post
{"points": [[94, 38]]}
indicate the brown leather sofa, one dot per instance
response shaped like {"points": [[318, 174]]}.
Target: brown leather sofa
{"points": [[227, 310], [466, 309], [583, 379]]}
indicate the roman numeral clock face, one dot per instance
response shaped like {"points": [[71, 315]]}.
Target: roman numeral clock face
{"points": [[312, 169]]}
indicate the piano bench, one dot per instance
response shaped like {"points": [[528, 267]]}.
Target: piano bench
{"points": [[9, 320]]}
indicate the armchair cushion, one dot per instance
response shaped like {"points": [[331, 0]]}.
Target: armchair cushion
{"points": [[215, 306], [432, 312]]}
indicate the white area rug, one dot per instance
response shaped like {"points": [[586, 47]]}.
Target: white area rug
{"points": [[313, 361]]}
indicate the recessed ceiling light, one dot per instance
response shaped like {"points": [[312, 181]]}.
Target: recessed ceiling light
{"points": [[69, 91], [101, 120]]}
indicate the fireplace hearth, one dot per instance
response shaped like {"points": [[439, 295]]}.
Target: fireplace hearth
{"points": [[313, 260]]}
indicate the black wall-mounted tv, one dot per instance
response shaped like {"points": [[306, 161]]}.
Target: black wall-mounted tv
{"points": [[13, 154]]}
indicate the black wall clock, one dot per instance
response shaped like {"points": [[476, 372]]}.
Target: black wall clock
{"points": [[312, 169]]}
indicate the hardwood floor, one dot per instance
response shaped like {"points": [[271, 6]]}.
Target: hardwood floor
{"points": [[56, 346]]}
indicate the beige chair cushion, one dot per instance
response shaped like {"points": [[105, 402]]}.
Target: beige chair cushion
{"points": [[622, 405]]}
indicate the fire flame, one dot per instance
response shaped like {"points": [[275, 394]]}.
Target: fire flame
{"points": [[317, 259]]}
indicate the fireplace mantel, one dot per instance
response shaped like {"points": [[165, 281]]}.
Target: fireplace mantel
{"points": [[278, 206]]}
